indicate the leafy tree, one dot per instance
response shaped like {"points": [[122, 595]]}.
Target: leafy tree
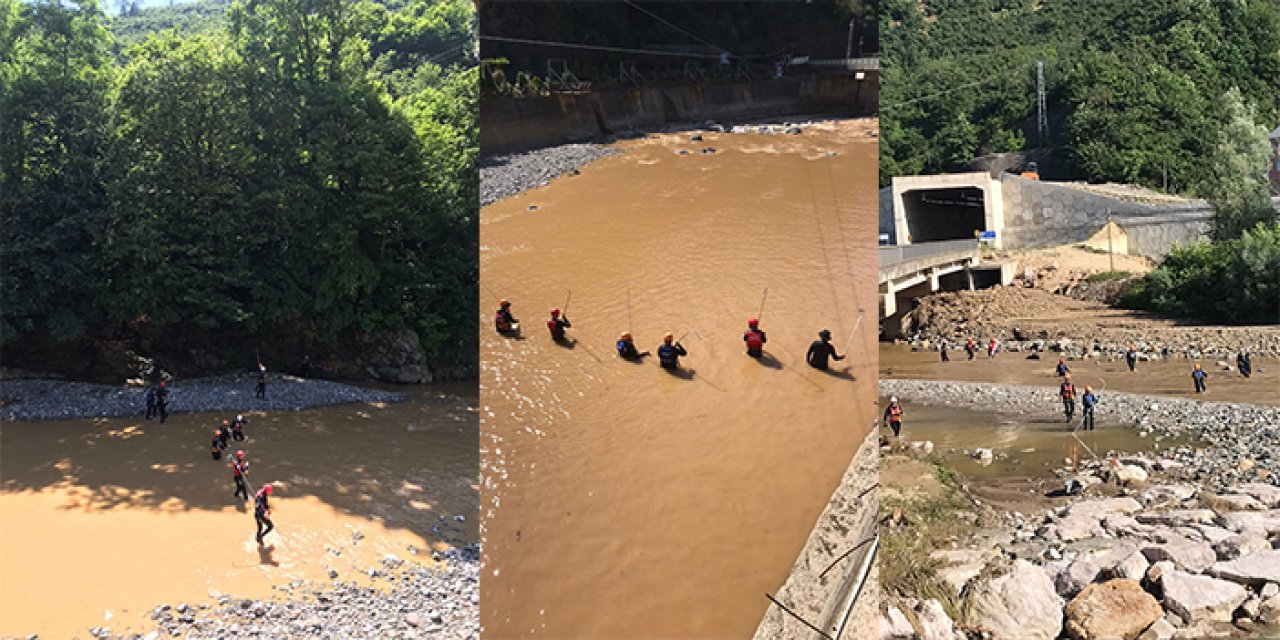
{"points": [[56, 74], [1237, 183]]}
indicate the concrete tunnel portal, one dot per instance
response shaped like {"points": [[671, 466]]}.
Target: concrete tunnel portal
{"points": [[934, 215]]}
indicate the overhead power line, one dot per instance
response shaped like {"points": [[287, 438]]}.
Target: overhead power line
{"points": [[593, 47], [669, 24]]}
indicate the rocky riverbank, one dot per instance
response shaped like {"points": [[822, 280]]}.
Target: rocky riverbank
{"points": [[410, 601], [503, 176], [1033, 320], [1184, 543], [59, 400]]}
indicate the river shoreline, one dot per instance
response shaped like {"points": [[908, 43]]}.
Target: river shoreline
{"points": [[37, 400]]}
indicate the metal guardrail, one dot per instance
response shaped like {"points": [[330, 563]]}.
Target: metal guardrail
{"points": [[852, 64], [890, 256]]}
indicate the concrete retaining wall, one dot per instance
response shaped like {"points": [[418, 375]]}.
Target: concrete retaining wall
{"points": [[513, 124], [1043, 213]]}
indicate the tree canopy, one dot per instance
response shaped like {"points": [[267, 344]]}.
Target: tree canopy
{"points": [[303, 168]]}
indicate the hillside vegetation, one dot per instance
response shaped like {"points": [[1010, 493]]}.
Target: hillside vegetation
{"points": [[294, 175]]}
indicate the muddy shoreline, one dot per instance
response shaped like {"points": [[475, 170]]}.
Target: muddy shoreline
{"points": [[30, 400]]}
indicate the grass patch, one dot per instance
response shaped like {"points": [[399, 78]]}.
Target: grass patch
{"points": [[925, 525], [1106, 276]]}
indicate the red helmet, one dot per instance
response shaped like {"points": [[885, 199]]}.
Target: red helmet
{"points": [[555, 313], [266, 488], [504, 303], [239, 454], [162, 384], [753, 323]]}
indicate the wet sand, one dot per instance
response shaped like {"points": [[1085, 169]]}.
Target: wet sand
{"points": [[1164, 377], [624, 501], [106, 519]]}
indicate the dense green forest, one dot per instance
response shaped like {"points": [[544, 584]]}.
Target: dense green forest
{"points": [[1135, 89], [288, 175]]}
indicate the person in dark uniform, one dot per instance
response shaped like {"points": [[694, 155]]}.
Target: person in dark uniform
{"points": [[237, 428], [224, 433], [942, 350], [557, 324], [239, 473], [1243, 363], [1062, 368], [503, 321], [1198, 376], [162, 402], [262, 512], [821, 350], [755, 338], [669, 354], [260, 392], [1087, 402], [151, 402], [216, 446], [627, 348], [1131, 358]]}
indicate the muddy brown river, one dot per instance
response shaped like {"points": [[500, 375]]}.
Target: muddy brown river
{"points": [[623, 501], [106, 519], [1165, 377]]}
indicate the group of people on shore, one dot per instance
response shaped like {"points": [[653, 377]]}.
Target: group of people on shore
{"points": [[819, 355]]}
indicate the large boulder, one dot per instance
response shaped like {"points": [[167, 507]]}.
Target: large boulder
{"points": [[1241, 544], [1201, 598], [1268, 521], [393, 356], [1256, 568], [1185, 554], [1020, 604], [1112, 609], [1177, 517], [960, 565], [1268, 495]]}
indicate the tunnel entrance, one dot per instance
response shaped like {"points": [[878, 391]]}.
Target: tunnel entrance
{"points": [[944, 214]]}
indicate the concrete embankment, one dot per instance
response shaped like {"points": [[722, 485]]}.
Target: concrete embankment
{"points": [[513, 124]]}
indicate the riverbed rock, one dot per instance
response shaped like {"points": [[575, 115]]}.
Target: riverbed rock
{"points": [[1167, 493], [934, 622], [959, 566], [1161, 629], [1020, 604], [1238, 521], [895, 626], [1099, 508], [1237, 502], [1197, 598], [1241, 544], [1268, 495], [1177, 517], [1129, 474], [1112, 609], [1255, 569], [1186, 555], [1206, 629]]}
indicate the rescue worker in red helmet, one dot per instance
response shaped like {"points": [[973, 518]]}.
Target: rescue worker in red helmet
{"points": [[239, 471], [503, 321], [262, 512], [755, 338], [557, 324]]}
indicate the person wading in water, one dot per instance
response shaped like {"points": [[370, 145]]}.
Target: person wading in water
{"points": [[820, 350], [262, 512]]}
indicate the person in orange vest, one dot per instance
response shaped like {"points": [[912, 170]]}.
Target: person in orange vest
{"points": [[239, 472], [893, 415], [262, 512], [557, 324], [755, 338], [1067, 391], [503, 321]]}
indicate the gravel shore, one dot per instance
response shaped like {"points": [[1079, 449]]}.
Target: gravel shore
{"points": [[503, 176], [59, 400], [410, 601]]}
